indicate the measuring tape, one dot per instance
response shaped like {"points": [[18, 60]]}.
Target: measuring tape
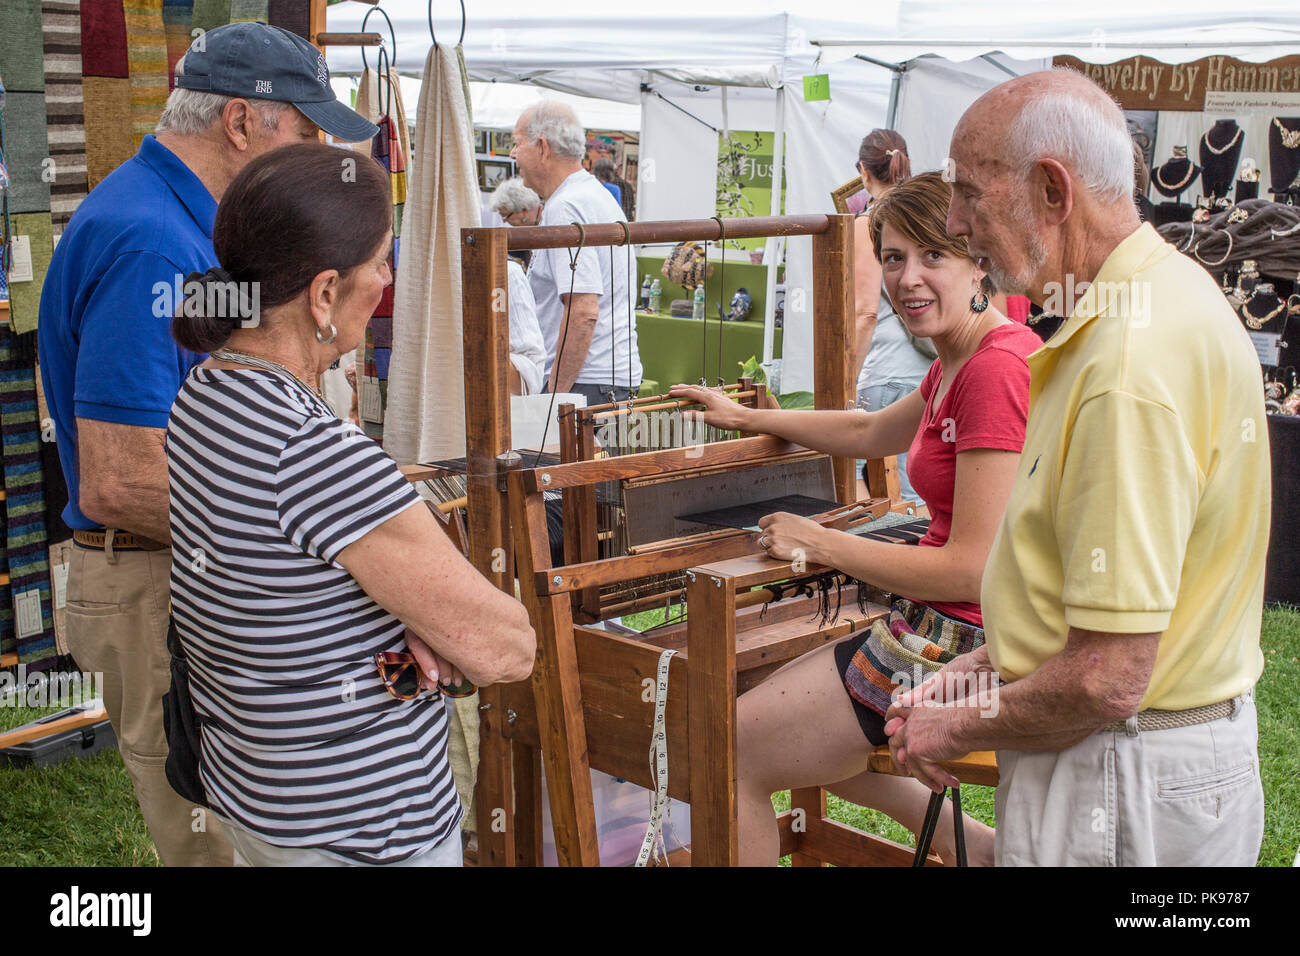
{"points": [[658, 768]]}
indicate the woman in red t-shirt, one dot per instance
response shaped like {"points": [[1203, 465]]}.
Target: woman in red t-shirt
{"points": [[962, 430]]}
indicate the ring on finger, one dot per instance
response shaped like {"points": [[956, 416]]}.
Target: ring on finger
{"points": [[762, 542]]}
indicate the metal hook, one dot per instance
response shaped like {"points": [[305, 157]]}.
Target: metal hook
{"points": [[392, 35], [434, 37], [382, 67]]}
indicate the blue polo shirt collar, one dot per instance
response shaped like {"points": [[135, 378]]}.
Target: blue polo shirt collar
{"points": [[187, 187]]}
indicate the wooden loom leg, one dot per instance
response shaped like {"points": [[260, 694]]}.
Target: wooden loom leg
{"points": [[711, 719], [812, 801], [833, 343], [557, 691], [528, 804], [487, 435]]}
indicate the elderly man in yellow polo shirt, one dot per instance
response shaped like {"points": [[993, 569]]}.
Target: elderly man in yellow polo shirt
{"points": [[1123, 594]]}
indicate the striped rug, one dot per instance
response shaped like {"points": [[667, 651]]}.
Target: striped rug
{"points": [[146, 52], [66, 130], [24, 504]]}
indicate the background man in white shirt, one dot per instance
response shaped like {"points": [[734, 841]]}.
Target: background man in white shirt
{"points": [[596, 354]]}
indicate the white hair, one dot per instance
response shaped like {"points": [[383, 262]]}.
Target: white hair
{"points": [[513, 196], [557, 124], [1091, 139], [192, 112]]}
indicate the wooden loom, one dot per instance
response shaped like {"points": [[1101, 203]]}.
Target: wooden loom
{"points": [[583, 707]]}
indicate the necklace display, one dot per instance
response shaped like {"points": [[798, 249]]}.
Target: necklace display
{"points": [[242, 358], [1262, 291], [1175, 187], [1290, 137], [1223, 149]]}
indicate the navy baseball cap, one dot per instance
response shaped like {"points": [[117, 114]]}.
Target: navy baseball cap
{"points": [[257, 61]]}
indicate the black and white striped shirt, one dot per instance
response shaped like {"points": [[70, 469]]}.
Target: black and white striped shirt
{"points": [[302, 745]]}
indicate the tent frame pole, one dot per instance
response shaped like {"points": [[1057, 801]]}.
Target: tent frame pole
{"points": [[770, 254]]}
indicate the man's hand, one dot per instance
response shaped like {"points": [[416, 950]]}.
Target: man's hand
{"points": [[939, 686], [919, 739]]}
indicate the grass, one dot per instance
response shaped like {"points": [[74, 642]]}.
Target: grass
{"points": [[83, 812]]}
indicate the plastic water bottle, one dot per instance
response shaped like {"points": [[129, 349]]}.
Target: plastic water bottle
{"points": [[645, 293], [697, 311], [656, 292]]}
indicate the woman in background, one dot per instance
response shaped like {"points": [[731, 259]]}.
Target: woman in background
{"points": [[887, 363]]}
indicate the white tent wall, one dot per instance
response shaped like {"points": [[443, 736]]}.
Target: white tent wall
{"points": [[932, 95], [822, 139]]}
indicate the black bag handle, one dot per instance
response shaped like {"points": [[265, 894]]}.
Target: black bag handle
{"points": [[931, 823]]}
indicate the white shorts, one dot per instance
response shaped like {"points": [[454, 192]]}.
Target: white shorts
{"points": [[1190, 796]]}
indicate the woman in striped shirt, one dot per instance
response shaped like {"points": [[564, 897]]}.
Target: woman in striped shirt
{"points": [[300, 552]]}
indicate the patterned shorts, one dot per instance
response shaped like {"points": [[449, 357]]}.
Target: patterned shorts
{"points": [[915, 640]]}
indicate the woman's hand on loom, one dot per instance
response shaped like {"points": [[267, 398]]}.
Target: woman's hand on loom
{"points": [[788, 537], [434, 669], [719, 410]]}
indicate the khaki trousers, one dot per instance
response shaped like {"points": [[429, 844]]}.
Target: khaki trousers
{"points": [[117, 627], [1190, 796]]}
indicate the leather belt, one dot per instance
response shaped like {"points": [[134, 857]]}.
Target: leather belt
{"points": [[1169, 719], [122, 541]]}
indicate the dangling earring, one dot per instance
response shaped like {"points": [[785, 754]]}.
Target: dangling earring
{"points": [[334, 334], [979, 302]]}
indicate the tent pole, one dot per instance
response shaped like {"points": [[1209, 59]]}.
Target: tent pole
{"points": [[778, 168], [892, 112]]}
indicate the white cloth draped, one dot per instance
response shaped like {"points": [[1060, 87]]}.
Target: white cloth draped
{"points": [[425, 418]]}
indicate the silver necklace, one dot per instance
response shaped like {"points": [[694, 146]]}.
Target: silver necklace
{"points": [[243, 358]]}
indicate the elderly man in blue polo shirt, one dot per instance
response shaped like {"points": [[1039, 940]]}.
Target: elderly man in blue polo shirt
{"points": [[111, 372]]}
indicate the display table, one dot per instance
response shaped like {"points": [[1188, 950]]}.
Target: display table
{"points": [[1282, 577], [670, 348]]}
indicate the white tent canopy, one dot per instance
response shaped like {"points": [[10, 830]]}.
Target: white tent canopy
{"points": [[757, 51]]}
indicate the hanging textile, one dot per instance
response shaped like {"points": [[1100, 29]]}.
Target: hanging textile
{"points": [[291, 15], [25, 294], [24, 505], [388, 148], [27, 149], [146, 45], [248, 11], [210, 14], [368, 105], [105, 88], [425, 419], [178, 20], [20, 47], [66, 131]]}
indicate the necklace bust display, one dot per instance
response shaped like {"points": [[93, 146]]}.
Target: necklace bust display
{"points": [[1284, 154], [1173, 177], [1262, 307], [1220, 149]]}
